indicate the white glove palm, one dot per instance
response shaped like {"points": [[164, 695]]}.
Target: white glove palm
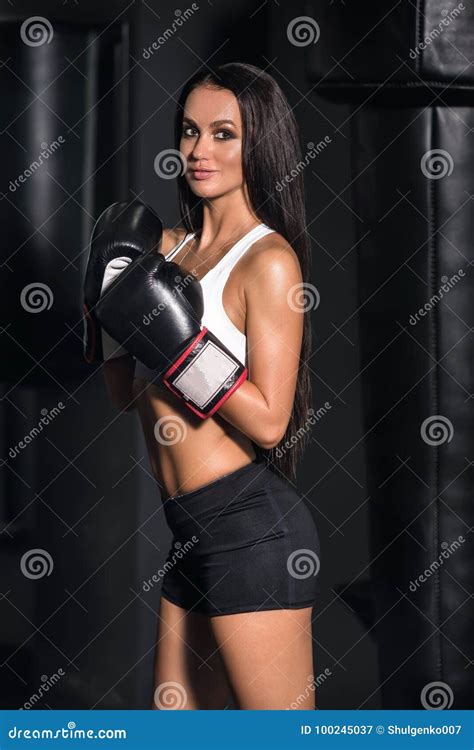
{"points": [[111, 348]]}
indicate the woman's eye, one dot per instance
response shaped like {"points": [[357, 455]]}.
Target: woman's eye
{"points": [[221, 135]]}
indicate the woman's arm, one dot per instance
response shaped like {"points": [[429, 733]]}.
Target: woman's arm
{"points": [[261, 407], [118, 374]]}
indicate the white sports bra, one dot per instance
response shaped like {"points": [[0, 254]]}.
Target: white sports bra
{"points": [[213, 282]]}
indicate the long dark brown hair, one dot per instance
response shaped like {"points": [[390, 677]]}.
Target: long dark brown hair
{"points": [[270, 153]]}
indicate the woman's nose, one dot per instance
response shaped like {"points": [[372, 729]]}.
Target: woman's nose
{"points": [[201, 148]]}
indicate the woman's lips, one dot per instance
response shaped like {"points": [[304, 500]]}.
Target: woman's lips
{"points": [[202, 175]]}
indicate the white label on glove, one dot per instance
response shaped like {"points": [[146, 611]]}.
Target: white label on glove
{"points": [[205, 375]]}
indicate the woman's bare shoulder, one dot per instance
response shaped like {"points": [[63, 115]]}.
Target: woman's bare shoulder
{"points": [[171, 237], [272, 249]]}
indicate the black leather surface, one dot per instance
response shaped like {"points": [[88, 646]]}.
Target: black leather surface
{"points": [[394, 44], [412, 153]]}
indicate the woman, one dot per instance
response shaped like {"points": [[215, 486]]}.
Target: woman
{"points": [[235, 612]]}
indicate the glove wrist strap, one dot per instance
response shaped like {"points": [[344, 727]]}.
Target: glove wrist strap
{"points": [[205, 375]]}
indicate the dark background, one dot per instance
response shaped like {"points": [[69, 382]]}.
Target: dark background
{"points": [[85, 491]]}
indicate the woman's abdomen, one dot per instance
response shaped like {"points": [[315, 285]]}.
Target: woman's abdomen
{"points": [[185, 451]]}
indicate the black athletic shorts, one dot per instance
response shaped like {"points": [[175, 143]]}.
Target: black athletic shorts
{"points": [[244, 542]]}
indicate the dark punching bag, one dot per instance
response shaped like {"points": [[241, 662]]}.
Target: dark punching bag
{"points": [[409, 75], [62, 153]]}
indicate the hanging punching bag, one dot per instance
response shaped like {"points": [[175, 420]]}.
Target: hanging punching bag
{"points": [[60, 119], [408, 70]]}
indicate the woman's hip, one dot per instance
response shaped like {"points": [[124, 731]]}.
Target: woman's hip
{"points": [[249, 506]]}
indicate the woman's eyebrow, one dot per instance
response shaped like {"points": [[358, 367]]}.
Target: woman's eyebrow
{"points": [[212, 124]]}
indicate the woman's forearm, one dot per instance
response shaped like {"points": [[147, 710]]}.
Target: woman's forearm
{"points": [[248, 410]]}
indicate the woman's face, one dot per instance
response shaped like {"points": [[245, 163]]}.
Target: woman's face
{"points": [[211, 142]]}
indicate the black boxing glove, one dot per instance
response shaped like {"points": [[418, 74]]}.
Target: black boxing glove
{"points": [[122, 233], [154, 310]]}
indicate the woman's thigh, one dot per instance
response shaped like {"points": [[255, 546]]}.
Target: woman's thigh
{"points": [[189, 672], [269, 657]]}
